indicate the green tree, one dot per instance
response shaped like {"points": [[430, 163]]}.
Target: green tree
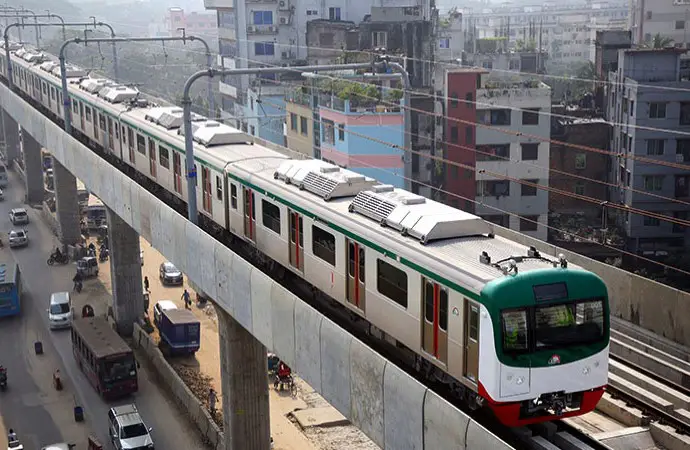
{"points": [[659, 41]]}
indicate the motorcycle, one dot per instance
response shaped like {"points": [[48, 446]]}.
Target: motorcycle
{"points": [[3, 378], [103, 255], [62, 258], [285, 381], [78, 285]]}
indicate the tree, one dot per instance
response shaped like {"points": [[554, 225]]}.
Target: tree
{"points": [[659, 41]]}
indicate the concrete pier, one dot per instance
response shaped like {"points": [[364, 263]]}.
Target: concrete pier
{"points": [[66, 205], [33, 170], [11, 131]]}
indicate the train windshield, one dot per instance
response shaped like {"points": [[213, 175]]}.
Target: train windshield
{"points": [[553, 326]]}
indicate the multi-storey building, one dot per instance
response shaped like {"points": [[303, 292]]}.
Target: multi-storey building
{"points": [[607, 44], [667, 18], [194, 23], [648, 102], [564, 31], [489, 130]]}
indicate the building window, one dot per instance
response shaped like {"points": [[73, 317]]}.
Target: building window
{"points": [[328, 132], [655, 147], [527, 190], [444, 43], [581, 161], [654, 182], [304, 125], [341, 132], [454, 100], [233, 196], [502, 220], [497, 152], [500, 117], [226, 19], [252, 130], [264, 48], [391, 282], [333, 13], [379, 39], [648, 15], [469, 132], [271, 216], [682, 186], [469, 101], [293, 121], [263, 17], [657, 110], [454, 134], [632, 107], [682, 215], [530, 152], [493, 188], [323, 245], [530, 116], [651, 221], [164, 157], [579, 188], [312, 12], [683, 150], [680, 24], [219, 188], [529, 223], [685, 113]]}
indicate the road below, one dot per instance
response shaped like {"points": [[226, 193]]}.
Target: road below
{"points": [[38, 413]]}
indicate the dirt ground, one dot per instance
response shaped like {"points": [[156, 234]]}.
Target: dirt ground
{"points": [[203, 369]]}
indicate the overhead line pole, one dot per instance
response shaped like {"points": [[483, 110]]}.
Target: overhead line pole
{"points": [[63, 71], [192, 212], [20, 10], [10, 81], [38, 16]]}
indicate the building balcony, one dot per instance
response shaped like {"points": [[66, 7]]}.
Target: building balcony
{"points": [[514, 91], [363, 106], [215, 4], [262, 29], [299, 98]]}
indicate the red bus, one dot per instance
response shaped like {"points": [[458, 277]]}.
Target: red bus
{"points": [[104, 357]]}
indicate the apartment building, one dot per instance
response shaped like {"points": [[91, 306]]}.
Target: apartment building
{"points": [[668, 18], [566, 32], [203, 25], [645, 119], [488, 131]]}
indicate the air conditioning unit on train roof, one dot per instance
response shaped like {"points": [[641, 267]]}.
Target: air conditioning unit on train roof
{"points": [[48, 66], [71, 71], [155, 114], [326, 180], [20, 52], [93, 85], [212, 133], [34, 57], [118, 94]]}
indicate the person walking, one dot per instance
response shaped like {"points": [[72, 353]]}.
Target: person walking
{"points": [[187, 300], [212, 398], [146, 284]]}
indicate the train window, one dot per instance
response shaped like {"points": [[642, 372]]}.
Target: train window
{"points": [[361, 264], [233, 196], [75, 106], [443, 310], [81, 109], [52, 93], [141, 144], [117, 128], [45, 88], [429, 301], [474, 323], [124, 135], [219, 188], [323, 245], [164, 157], [88, 114], [130, 137], [391, 282], [271, 216], [514, 324]]}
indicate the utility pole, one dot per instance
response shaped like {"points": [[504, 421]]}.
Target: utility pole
{"points": [[187, 108], [10, 81], [65, 93]]}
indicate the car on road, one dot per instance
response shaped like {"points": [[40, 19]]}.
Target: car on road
{"points": [[170, 275], [59, 446], [18, 238], [60, 313], [2, 195], [127, 428], [159, 307], [19, 216]]}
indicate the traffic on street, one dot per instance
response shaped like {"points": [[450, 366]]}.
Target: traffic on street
{"points": [[31, 406]]}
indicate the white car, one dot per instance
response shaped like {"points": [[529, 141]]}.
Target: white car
{"points": [[19, 216], [18, 238]]}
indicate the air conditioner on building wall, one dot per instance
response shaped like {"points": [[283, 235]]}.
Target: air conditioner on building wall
{"points": [[251, 29], [283, 20], [282, 3]]}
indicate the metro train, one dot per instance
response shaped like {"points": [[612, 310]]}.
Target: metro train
{"points": [[503, 326]]}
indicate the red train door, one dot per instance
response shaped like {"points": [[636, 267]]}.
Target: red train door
{"points": [[435, 323], [356, 287]]}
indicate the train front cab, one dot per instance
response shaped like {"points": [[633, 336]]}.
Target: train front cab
{"points": [[544, 345]]}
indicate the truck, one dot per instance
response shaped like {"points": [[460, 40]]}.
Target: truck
{"points": [[180, 332]]}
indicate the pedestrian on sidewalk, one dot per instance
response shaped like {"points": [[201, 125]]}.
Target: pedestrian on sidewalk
{"points": [[146, 284], [212, 400], [187, 300]]}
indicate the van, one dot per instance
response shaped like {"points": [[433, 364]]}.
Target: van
{"points": [[60, 311]]}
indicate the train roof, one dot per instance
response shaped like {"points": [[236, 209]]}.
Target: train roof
{"points": [[100, 337]]}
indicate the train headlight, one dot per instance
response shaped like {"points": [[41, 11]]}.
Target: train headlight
{"points": [[586, 370], [519, 380]]}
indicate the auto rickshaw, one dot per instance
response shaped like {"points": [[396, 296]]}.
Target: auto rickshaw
{"points": [[87, 266]]}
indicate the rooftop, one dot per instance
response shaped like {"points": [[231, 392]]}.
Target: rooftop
{"points": [[100, 337]]}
